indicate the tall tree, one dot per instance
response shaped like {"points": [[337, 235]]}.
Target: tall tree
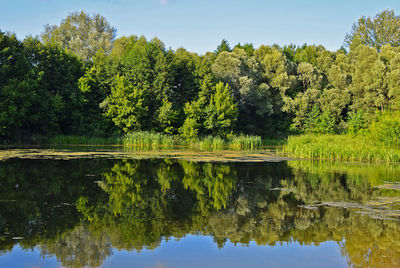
{"points": [[58, 108], [82, 34], [146, 64], [17, 88], [383, 29], [369, 86], [221, 112], [211, 114], [127, 105], [248, 47], [224, 46], [95, 85]]}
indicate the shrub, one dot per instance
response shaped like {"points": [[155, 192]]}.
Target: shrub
{"points": [[356, 122], [318, 123], [386, 129]]}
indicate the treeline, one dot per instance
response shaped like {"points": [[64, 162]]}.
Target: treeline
{"points": [[77, 79]]}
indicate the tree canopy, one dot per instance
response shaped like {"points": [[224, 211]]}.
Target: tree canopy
{"points": [[82, 34], [383, 29], [78, 80]]}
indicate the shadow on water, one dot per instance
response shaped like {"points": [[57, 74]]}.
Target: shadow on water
{"points": [[81, 209]]}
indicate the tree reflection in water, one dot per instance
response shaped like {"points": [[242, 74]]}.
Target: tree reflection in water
{"points": [[135, 204]]}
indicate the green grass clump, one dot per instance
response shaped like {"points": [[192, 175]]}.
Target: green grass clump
{"points": [[149, 140], [208, 143], [241, 142], [245, 142], [341, 147], [82, 140]]}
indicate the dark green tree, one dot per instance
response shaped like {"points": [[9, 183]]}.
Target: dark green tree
{"points": [[95, 86], [17, 89], [58, 107], [224, 46]]}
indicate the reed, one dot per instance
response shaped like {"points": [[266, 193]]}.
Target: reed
{"points": [[340, 147], [149, 140], [208, 143], [245, 142]]}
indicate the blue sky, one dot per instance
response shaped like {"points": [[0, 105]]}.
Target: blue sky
{"points": [[200, 25]]}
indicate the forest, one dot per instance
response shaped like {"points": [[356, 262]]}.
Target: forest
{"points": [[77, 78]]}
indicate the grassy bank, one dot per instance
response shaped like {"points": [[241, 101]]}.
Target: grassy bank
{"points": [[142, 140], [341, 147]]}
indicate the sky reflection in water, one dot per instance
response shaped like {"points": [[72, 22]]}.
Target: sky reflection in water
{"points": [[201, 251]]}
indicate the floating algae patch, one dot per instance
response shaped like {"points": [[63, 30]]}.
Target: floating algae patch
{"points": [[197, 156]]}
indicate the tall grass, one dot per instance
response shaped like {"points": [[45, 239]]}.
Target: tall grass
{"points": [[245, 142], [143, 140], [207, 143], [341, 147], [148, 140]]}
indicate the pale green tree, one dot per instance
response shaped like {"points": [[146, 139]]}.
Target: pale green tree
{"points": [[391, 56], [383, 29], [369, 81], [309, 76], [334, 101], [339, 74], [277, 69], [82, 34]]}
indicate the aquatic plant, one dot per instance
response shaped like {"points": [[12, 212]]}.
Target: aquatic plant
{"points": [[341, 147]]}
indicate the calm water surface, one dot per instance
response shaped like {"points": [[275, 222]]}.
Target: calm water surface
{"points": [[178, 213]]}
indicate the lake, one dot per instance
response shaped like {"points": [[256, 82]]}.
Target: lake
{"points": [[120, 209]]}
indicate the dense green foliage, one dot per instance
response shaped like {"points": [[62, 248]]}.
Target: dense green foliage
{"points": [[376, 32], [378, 142], [101, 87], [39, 89]]}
